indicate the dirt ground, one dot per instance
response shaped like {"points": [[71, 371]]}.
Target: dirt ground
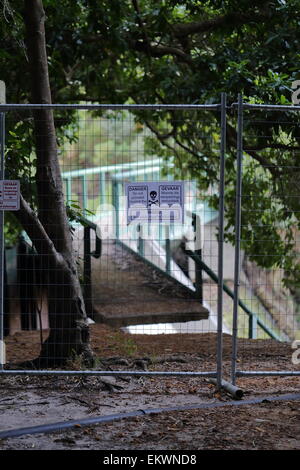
{"points": [[28, 401]]}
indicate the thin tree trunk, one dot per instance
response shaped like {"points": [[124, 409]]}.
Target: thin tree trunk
{"points": [[49, 231], [48, 177]]}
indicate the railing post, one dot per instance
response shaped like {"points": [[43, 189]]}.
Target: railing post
{"points": [[141, 247], [102, 187], [68, 189], [199, 277], [84, 193], [168, 249], [252, 327], [87, 272], [116, 205], [198, 251]]}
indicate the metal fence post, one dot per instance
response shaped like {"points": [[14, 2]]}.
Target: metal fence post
{"points": [[237, 237], [220, 241], [2, 174]]}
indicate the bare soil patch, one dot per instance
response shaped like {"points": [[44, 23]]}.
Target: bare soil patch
{"points": [[28, 400]]}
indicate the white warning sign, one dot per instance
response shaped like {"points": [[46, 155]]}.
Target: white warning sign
{"points": [[155, 202], [9, 195]]}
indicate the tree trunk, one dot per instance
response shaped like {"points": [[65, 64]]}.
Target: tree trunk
{"points": [[50, 232]]}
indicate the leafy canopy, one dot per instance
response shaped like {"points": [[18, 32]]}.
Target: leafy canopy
{"points": [[180, 52]]}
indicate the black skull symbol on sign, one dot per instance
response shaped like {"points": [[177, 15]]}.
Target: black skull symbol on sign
{"points": [[153, 200]]}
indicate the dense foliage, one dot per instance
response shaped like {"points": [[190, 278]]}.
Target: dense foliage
{"points": [[183, 51]]}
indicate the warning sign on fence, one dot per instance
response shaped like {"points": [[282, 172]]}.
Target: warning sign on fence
{"points": [[9, 195], [155, 202]]}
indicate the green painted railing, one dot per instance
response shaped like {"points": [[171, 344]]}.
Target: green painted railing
{"points": [[105, 175], [254, 320]]}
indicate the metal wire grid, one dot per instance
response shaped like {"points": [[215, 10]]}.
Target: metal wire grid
{"points": [[92, 191], [265, 201], [103, 152]]}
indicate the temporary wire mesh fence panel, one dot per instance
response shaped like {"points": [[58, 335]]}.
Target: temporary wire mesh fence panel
{"points": [[269, 257], [138, 278]]}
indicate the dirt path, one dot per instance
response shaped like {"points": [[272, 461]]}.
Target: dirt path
{"points": [[28, 401]]}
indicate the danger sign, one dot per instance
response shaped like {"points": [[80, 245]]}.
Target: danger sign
{"points": [[9, 195], [158, 202]]}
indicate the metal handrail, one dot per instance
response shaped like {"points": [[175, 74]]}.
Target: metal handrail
{"points": [[254, 320], [88, 225], [87, 254], [102, 172]]}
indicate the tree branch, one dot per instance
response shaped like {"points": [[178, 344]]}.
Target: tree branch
{"points": [[233, 19], [272, 146], [162, 138], [160, 51], [182, 30], [35, 230], [271, 167]]}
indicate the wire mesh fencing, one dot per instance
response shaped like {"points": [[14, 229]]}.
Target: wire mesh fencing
{"points": [[87, 271], [141, 220], [266, 280]]}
